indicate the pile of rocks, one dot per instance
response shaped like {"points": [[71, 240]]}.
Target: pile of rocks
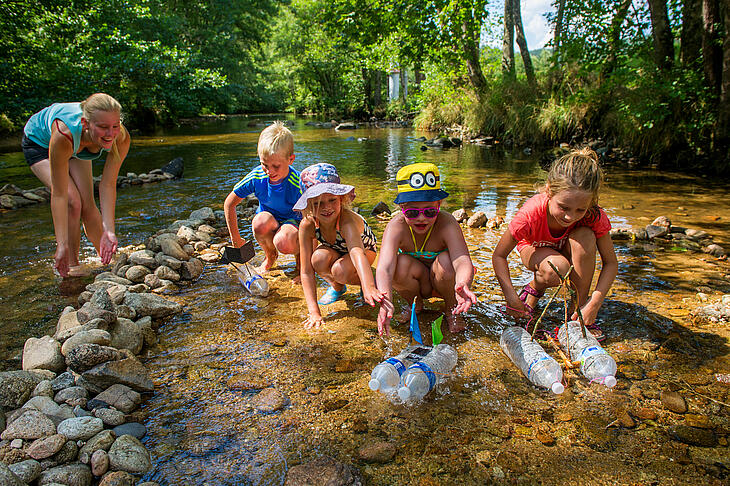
{"points": [[13, 197], [70, 416]]}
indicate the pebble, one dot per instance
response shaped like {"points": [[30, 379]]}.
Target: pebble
{"points": [[693, 436], [269, 400], [334, 404], [46, 447], [134, 429], [379, 452], [645, 413], [563, 417], [99, 462], [545, 438], [699, 421], [673, 401]]}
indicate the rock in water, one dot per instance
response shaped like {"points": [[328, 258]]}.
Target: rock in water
{"points": [[323, 470], [174, 167]]}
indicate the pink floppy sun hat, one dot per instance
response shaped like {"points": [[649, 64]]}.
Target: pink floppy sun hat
{"points": [[321, 179]]}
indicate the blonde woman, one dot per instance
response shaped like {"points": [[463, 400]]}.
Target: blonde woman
{"points": [[59, 143]]}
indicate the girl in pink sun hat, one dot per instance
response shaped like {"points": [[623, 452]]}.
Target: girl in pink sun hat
{"points": [[346, 246]]}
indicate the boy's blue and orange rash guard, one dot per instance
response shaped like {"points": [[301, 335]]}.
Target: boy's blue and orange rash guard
{"points": [[277, 199]]}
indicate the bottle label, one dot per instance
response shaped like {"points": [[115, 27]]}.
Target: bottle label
{"points": [[590, 351], [250, 281], [400, 367], [428, 372], [418, 353], [529, 369]]}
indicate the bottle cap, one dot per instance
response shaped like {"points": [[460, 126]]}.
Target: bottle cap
{"points": [[374, 384], [609, 381], [404, 393], [557, 388]]}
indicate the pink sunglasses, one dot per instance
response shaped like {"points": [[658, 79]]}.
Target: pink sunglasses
{"points": [[413, 213]]}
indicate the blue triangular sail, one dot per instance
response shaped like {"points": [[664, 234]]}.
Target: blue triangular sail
{"points": [[415, 329]]}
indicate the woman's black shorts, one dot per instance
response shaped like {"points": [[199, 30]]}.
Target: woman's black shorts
{"points": [[32, 151]]}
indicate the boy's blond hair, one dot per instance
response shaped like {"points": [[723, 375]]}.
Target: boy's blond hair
{"points": [[579, 170], [275, 138]]}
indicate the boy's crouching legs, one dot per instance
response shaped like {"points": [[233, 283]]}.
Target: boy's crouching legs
{"points": [[264, 227]]}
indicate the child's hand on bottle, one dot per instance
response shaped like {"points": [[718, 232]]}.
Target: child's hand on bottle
{"points": [[313, 321], [517, 309], [589, 313], [464, 298]]}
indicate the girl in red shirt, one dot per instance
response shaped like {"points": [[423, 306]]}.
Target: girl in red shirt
{"points": [[564, 225]]}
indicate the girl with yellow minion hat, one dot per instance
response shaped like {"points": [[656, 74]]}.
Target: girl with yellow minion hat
{"points": [[423, 253]]}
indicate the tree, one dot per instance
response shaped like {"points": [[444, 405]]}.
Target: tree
{"points": [[691, 35], [522, 42], [508, 42], [711, 44], [662, 34]]}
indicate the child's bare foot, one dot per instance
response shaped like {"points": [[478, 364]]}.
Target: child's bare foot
{"points": [[456, 322], [297, 280], [405, 314], [268, 262]]}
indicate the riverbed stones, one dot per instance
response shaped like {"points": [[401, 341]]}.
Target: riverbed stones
{"points": [[477, 220], [269, 400], [323, 470], [187, 233], [46, 446], [71, 394], [33, 424], [137, 273], [673, 401], [16, 387], [379, 452], [43, 353], [128, 454], [109, 416], [88, 355], [693, 435], [99, 463], [27, 471], [89, 312], [135, 429], [168, 261], [64, 380], [49, 407], [118, 396], [151, 305], [152, 281], [172, 248], [126, 335], [81, 428], [166, 273], [460, 215], [246, 382], [204, 213], [192, 269], [67, 320], [117, 478], [43, 389], [101, 441], [127, 371], [7, 477], [112, 277], [715, 250], [99, 337], [70, 474], [143, 257]]}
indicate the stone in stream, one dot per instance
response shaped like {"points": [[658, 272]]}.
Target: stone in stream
{"points": [[378, 452], [269, 400], [43, 353], [100, 463], [693, 436], [143, 257], [97, 337], [101, 300], [126, 335], [168, 261], [380, 208], [67, 320], [110, 416], [43, 389], [246, 381], [477, 220], [152, 281], [166, 273], [62, 336], [128, 454], [192, 269], [172, 248], [112, 277], [48, 407], [101, 441], [117, 478], [81, 428], [655, 231], [187, 233], [175, 167], [204, 213], [89, 311], [151, 305], [33, 424], [323, 470], [27, 471], [673, 401], [16, 387], [135, 429], [137, 273], [715, 250], [127, 371], [118, 396], [46, 446], [86, 356], [73, 393], [70, 474], [460, 215], [64, 380]]}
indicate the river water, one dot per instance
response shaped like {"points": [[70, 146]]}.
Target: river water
{"points": [[486, 424]]}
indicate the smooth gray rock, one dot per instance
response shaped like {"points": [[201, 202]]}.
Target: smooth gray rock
{"points": [[151, 305], [27, 471], [477, 220], [43, 389], [43, 353], [172, 248], [205, 214], [168, 261], [112, 277], [100, 285], [63, 336], [90, 336], [143, 257], [82, 428], [118, 396], [101, 441], [71, 393], [45, 405], [134, 429], [192, 269], [110, 417], [16, 387], [64, 380], [127, 371], [67, 320], [166, 273], [126, 335], [187, 233], [86, 356], [33, 424], [70, 474], [89, 312], [128, 454], [8, 478], [137, 273]]}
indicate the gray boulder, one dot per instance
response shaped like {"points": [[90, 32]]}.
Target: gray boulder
{"points": [[126, 335], [86, 356], [151, 305], [118, 396], [101, 441], [90, 336], [43, 353], [137, 273], [127, 371], [168, 261], [134, 429], [206, 214], [67, 320], [16, 387], [192, 269], [143, 257], [110, 416], [27, 471], [129, 455], [72, 393], [81, 428], [112, 277], [92, 324], [70, 474], [174, 249], [323, 470], [166, 273], [89, 311], [7, 477], [31, 425]]}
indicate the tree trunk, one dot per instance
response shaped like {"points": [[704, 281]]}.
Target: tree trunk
{"points": [[524, 52], [508, 42], [470, 46], [614, 38], [723, 115], [558, 34], [378, 92], [403, 94], [662, 35], [711, 48], [691, 36]]}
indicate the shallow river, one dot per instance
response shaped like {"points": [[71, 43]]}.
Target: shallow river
{"points": [[486, 424]]}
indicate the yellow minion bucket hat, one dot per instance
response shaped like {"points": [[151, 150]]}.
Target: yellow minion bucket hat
{"points": [[419, 183]]}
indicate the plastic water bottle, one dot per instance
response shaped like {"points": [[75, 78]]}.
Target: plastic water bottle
{"points": [[386, 376], [252, 281], [595, 363], [421, 377], [539, 367]]}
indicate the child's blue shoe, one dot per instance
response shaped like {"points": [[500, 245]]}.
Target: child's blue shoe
{"points": [[332, 295]]}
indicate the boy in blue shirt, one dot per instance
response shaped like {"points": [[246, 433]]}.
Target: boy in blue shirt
{"points": [[276, 185]]}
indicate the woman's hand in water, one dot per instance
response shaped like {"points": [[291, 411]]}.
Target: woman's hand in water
{"points": [[313, 322], [464, 299], [107, 246], [61, 259]]}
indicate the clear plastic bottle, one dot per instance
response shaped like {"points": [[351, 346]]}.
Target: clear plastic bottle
{"points": [[595, 363], [539, 367], [252, 281], [386, 376], [421, 377]]}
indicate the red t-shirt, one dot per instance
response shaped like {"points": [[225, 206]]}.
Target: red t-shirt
{"points": [[530, 224]]}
